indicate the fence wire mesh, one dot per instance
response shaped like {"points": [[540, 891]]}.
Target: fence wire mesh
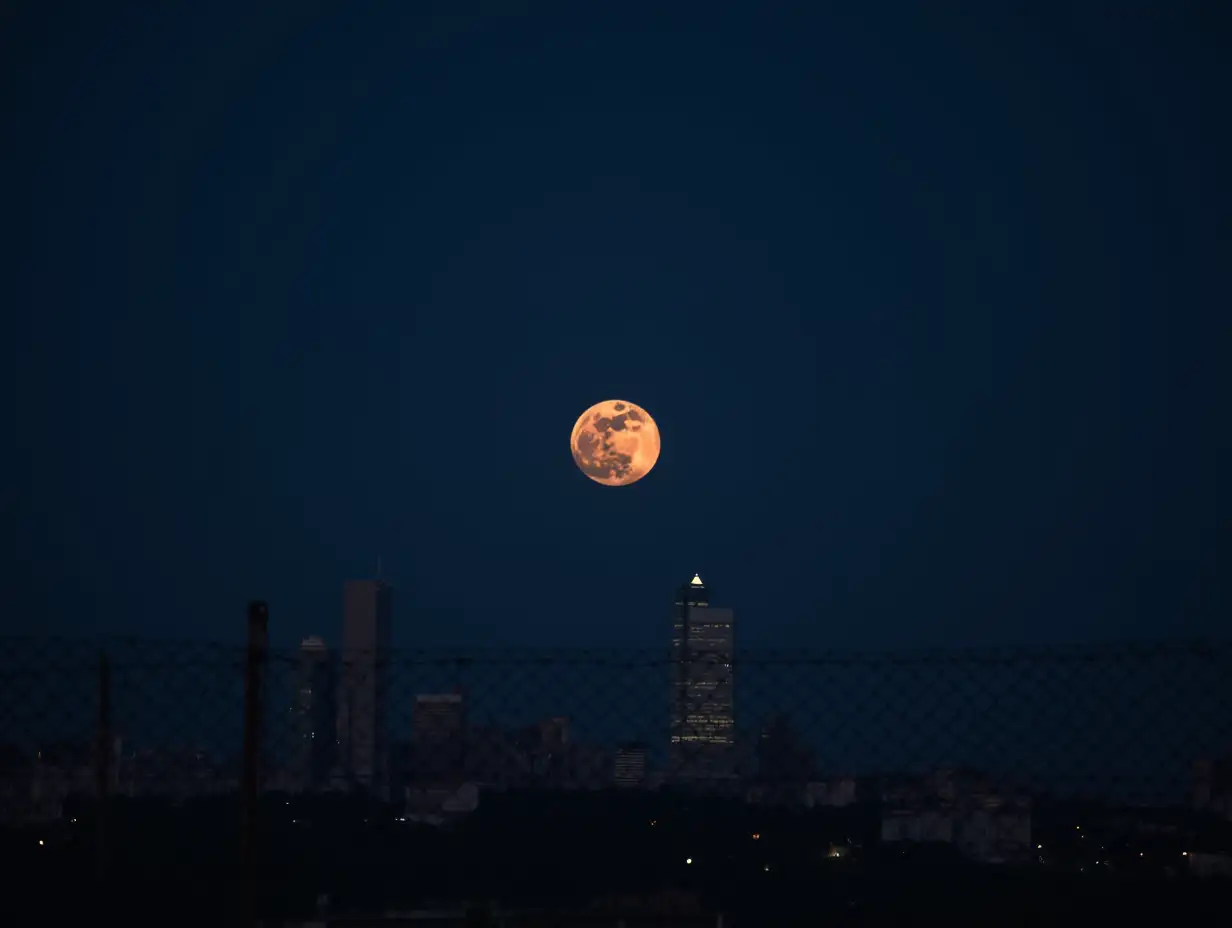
{"points": [[1123, 723], [973, 749]]}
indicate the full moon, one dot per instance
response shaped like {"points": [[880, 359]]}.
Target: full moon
{"points": [[615, 443]]}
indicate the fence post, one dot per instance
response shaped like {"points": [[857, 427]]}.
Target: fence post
{"points": [[254, 673], [102, 774]]}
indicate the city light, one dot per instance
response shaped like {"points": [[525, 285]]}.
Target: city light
{"points": [[687, 860], [756, 836]]}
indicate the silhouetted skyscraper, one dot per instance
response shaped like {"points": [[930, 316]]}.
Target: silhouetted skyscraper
{"points": [[363, 710], [315, 712], [782, 757], [439, 731], [703, 710], [630, 764]]}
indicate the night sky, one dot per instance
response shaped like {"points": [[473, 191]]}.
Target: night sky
{"points": [[930, 303]]}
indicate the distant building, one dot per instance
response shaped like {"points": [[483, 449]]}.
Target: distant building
{"points": [[401, 765], [630, 765], [554, 731], [437, 805], [990, 834], [60, 770], [546, 757], [782, 757], [540, 755], [583, 766], [963, 809], [553, 757], [438, 727], [363, 704], [837, 793], [1212, 787], [1207, 864], [314, 715], [703, 709], [494, 758], [785, 765]]}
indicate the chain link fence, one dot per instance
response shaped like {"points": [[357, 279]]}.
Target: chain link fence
{"points": [[1002, 756]]}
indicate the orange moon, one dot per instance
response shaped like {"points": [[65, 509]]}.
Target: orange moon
{"points": [[615, 443]]}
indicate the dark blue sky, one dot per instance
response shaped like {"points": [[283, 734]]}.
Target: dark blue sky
{"points": [[931, 307]]}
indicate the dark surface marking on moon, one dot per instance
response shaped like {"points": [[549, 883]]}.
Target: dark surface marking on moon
{"points": [[588, 445], [595, 453], [594, 457]]}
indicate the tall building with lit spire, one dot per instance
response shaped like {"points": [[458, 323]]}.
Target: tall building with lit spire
{"points": [[703, 707]]}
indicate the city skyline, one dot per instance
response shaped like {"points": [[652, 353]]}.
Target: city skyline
{"points": [[1031, 763], [700, 682], [1075, 725], [826, 712], [701, 732]]}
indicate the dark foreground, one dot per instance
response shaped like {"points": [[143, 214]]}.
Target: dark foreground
{"points": [[588, 863]]}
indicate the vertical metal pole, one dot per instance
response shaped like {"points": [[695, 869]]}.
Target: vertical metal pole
{"points": [[258, 639], [102, 773]]}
